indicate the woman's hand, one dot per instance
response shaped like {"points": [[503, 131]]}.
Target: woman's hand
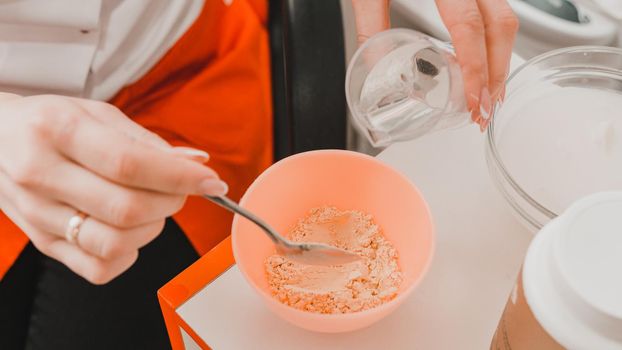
{"points": [[62, 155], [482, 32]]}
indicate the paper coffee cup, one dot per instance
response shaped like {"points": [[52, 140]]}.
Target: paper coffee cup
{"points": [[569, 294]]}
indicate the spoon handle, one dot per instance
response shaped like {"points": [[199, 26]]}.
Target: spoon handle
{"points": [[232, 206]]}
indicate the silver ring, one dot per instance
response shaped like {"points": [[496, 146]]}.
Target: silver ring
{"points": [[73, 227]]}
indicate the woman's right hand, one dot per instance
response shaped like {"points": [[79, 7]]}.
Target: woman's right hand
{"points": [[482, 32], [61, 155]]}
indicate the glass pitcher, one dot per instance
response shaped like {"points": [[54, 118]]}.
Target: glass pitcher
{"points": [[402, 84]]}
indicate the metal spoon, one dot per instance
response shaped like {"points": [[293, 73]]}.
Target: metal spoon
{"points": [[306, 253]]}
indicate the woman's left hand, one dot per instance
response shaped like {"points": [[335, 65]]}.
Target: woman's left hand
{"points": [[482, 32]]}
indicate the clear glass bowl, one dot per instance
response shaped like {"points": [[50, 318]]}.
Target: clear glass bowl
{"points": [[558, 134]]}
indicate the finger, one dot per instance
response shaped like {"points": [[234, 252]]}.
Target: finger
{"points": [[93, 269], [113, 116], [66, 182], [95, 237], [108, 242], [194, 154], [60, 180], [6, 203], [371, 16], [501, 27], [466, 27], [99, 239], [106, 201], [5, 96], [484, 125], [124, 160]]}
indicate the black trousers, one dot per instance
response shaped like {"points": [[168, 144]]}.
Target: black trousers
{"points": [[44, 305]]}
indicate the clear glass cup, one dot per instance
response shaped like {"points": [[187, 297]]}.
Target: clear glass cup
{"points": [[402, 84]]}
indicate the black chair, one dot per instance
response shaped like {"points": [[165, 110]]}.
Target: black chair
{"points": [[308, 72]]}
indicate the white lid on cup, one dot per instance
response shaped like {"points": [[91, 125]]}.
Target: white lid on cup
{"points": [[572, 275]]}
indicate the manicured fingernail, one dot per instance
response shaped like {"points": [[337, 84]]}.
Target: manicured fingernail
{"points": [[485, 103], [475, 117], [214, 187], [484, 125], [192, 153], [473, 102]]}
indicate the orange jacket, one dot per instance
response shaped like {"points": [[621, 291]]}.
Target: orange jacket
{"points": [[211, 91]]}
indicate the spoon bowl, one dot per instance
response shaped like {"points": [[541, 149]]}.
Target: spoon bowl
{"points": [[305, 253]]}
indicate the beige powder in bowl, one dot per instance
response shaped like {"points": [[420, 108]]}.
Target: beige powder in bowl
{"points": [[352, 287]]}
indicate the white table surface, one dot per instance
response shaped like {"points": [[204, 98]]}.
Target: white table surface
{"points": [[480, 247]]}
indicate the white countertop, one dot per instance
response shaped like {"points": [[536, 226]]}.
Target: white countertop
{"points": [[480, 247]]}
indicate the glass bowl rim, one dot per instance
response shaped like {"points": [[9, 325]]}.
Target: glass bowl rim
{"points": [[491, 145]]}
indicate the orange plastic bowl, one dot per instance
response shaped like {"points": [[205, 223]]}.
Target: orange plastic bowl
{"points": [[348, 180]]}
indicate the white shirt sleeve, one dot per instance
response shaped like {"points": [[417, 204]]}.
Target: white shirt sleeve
{"points": [[89, 48]]}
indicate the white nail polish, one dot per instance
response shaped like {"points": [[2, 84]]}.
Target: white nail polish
{"points": [[483, 113], [485, 107], [214, 187], [190, 152]]}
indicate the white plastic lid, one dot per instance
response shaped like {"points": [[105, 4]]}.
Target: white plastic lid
{"points": [[572, 274]]}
